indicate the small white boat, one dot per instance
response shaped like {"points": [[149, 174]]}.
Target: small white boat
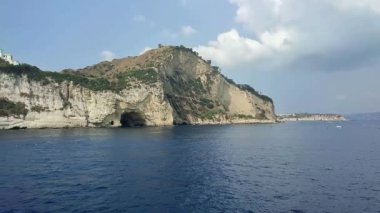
{"points": [[339, 127]]}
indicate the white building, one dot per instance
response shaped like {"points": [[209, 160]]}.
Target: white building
{"points": [[8, 58]]}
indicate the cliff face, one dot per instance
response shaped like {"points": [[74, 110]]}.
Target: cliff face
{"points": [[200, 94], [165, 86], [66, 105]]}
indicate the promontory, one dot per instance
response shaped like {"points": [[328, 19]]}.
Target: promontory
{"points": [[170, 85]]}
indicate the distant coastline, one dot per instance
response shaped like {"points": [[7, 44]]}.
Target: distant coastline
{"points": [[310, 117]]}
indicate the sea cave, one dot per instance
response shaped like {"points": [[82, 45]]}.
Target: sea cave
{"points": [[132, 119]]}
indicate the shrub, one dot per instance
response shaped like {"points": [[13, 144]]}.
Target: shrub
{"points": [[37, 108], [229, 80], [243, 116], [196, 85], [210, 114], [207, 103], [4, 63], [248, 88], [8, 108], [146, 76]]}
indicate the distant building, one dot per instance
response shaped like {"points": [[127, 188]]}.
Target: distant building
{"points": [[8, 58]]}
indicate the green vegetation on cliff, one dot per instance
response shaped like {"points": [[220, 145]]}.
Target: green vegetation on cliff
{"points": [[97, 84], [45, 77], [3, 62], [211, 114], [146, 76], [248, 88], [242, 116], [9, 108], [37, 108]]}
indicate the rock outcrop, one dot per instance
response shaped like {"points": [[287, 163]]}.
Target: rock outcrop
{"points": [[164, 86]]}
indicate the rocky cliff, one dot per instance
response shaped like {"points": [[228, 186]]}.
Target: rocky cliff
{"points": [[164, 86]]}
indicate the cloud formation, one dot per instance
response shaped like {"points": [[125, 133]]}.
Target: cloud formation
{"points": [[188, 30], [319, 35], [107, 55], [231, 49]]}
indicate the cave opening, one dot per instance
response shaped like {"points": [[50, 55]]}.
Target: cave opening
{"points": [[132, 119]]}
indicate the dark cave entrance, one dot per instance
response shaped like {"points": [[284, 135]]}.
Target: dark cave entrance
{"points": [[132, 119]]}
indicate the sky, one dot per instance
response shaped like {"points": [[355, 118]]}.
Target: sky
{"points": [[319, 56]]}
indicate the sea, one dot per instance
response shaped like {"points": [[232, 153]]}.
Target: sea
{"points": [[286, 167]]}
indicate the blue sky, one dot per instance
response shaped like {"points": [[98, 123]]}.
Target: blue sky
{"points": [[309, 56]]}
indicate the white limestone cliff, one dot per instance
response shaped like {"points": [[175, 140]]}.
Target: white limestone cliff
{"points": [[67, 105], [186, 90]]}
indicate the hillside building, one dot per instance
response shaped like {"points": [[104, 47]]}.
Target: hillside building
{"points": [[8, 58]]}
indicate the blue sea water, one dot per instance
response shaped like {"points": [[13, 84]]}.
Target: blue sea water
{"points": [[288, 167]]}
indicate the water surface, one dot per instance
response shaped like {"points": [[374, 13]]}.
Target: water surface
{"points": [[290, 167]]}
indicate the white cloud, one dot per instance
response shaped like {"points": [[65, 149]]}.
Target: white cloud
{"points": [[145, 50], [107, 55], [188, 30], [230, 49], [257, 15], [321, 35]]}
